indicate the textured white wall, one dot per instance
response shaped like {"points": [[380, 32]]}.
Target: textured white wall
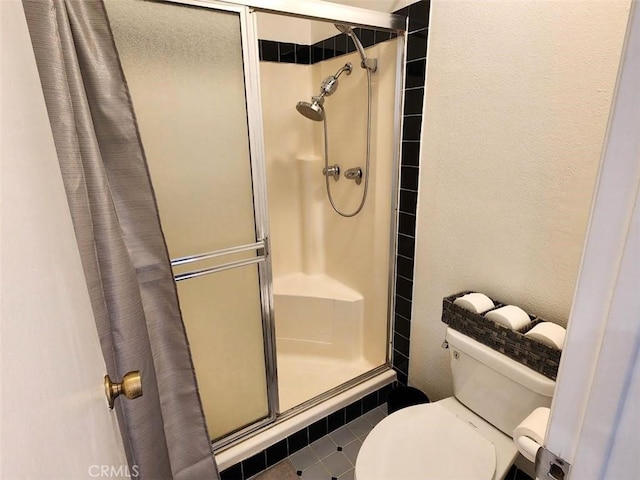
{"points": [[516, 107], [54, 421]]}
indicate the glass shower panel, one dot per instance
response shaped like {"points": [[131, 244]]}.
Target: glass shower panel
{"points": [[220, 312], [184, 68]]}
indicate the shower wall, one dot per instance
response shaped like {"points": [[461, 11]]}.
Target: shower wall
{"points": [[357, 248], [287, 136], [343, 262]]}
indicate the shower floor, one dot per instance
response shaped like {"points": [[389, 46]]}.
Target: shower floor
{"points": [[303, 377]]}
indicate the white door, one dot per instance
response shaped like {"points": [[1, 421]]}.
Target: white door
{"points": [[595, 416], [54, 418]]}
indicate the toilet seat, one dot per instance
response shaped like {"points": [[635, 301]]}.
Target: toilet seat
{"points": [[425, 442]]}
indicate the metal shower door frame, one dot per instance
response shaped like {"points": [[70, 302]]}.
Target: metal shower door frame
{"points": [[326, 11], [322, 11], [339, 13], [250, 60]]}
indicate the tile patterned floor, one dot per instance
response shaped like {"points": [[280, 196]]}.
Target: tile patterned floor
{"points": [[332, 457]]}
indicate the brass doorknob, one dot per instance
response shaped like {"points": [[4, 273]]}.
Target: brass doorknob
{"points": [[130, 386]]}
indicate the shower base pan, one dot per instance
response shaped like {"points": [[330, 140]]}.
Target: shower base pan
{"points": [[294, 421], [302, 377], [319, 330]]}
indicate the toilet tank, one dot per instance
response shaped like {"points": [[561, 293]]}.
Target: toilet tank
{"points": [[495, 387]]}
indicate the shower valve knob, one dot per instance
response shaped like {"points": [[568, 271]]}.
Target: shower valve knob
{"points": [[332, 171], [354, 174]]}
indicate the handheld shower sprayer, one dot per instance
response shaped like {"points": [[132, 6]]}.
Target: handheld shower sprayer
{"points": [[370, 64], [315, 111]]}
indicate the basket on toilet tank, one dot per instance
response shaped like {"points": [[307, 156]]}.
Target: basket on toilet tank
{"points": [[512, 343]]}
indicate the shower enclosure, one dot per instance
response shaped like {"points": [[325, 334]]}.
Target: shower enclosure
{"points": [[286, 302], [330, 234]]}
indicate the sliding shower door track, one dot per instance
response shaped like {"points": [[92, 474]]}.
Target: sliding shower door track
{"points": [[235, 439]]}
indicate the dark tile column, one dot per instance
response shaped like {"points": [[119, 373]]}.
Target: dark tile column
{"points": [[415, 67]]}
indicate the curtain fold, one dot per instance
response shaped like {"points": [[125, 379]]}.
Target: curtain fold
{"points": [[121, 245]]}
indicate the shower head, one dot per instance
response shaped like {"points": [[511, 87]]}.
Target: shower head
{"points": [[313, 111], [344, 28], [370, 64]]}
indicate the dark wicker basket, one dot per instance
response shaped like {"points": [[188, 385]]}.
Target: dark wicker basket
{"points": [[512, 343]]}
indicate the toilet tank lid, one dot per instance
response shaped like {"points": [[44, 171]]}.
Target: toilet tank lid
{"points": [[508, 367]]}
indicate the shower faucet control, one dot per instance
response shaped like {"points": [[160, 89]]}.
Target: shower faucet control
{"points": [[332, 171], [354, 174]]}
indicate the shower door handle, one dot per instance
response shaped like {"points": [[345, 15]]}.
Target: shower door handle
{"points": [[259, 247]]}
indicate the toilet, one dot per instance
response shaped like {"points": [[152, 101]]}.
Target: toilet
{"points": [[464, 437]]}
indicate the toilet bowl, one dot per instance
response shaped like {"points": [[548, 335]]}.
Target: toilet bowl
{"points": [[442, 440], [464, 437]]}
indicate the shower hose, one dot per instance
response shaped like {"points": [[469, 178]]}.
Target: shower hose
{"points": [[367, 160]]}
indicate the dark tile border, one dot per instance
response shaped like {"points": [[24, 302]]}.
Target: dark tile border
{"points": [[300, 439], [415, 68], [340, 44]]}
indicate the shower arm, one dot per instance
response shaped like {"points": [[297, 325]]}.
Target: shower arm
{"points": [[346, 68]]}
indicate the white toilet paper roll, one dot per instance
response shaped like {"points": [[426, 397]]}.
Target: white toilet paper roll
{"points": [[509, 316], [475, 302], [529, 435], [548, 333], [528, 448]]}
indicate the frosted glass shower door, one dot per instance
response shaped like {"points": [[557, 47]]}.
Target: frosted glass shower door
{"points": [[186, 70]]}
